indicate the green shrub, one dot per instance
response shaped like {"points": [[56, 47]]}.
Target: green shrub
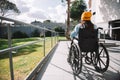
{"points": [[35, 33], [60, 30], [48, 33], [19, 34]]}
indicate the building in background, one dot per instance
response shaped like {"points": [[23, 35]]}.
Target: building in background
{"points": [[107, 11]]}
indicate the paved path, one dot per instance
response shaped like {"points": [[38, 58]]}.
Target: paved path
{"points": [[59, 69]]}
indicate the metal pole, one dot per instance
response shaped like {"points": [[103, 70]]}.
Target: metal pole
{"points": [[44, 42], [54, 38], [57, 36], [51, 39], [10, 53]]}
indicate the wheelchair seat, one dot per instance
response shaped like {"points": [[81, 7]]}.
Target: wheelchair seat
{"points": [[88, 40]]}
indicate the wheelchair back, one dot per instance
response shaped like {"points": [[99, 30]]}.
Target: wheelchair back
{"points": [[88, 39]]}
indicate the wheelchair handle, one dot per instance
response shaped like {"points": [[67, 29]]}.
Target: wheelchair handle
{"points": [[100, 28], [75, 38]]}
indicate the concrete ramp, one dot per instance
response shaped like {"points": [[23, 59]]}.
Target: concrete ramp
{"points": [[57, 68]]}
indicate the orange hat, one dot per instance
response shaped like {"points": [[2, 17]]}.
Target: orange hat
{"points": [[86, 15]]}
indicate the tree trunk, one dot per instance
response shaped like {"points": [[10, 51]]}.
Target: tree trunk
{"points": [[68, 20]]}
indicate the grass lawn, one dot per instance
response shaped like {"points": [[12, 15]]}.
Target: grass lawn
{"points": [[24, 60]]}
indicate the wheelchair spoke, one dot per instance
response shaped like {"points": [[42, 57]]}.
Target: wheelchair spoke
{"points": [[102, 62], [99, 64], [76, 59], [101, 59], [101, 51], [103, 56]]}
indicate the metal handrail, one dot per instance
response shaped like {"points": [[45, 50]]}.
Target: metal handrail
{"points": [[16, 21], [17, 47]]}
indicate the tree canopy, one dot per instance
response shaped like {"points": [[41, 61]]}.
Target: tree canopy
{"points": [[47, 21], [7, 6], [76, 9], [60, 31]]}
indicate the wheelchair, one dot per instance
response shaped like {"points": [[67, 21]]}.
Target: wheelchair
{"points": [[88, 46]]}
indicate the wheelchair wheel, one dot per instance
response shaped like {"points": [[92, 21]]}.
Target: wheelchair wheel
{"points": [[71, 55], [101, 59], [76, 59]]}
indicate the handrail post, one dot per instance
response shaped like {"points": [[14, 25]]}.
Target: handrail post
{"points": [[57, 36], [10, 53], [44, 42], [54, 38], [51, 39]]}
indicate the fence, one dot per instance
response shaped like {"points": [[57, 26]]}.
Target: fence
{"points": [[10, 48]]}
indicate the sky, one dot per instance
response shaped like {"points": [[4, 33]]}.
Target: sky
{"points": [[40, 10]]}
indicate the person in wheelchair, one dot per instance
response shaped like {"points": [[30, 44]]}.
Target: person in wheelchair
{"points": [[77, 33], [85, 41], [85, 23]]}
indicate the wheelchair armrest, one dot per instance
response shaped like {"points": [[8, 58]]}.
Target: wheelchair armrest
{"points": [[75, 38], [100, 28]]}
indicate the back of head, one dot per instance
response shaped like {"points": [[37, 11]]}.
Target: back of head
{"points": [[86, 17]]}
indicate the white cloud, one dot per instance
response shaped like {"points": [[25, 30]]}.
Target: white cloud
{"points": [[22, 6], [58, 13], [38, 14], [60, 9], [34, 9], [23, 18]]}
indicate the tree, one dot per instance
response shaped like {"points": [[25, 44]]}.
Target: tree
{"points": [[48, 33], [76, 9], [74, 12], [19, 34], [6, 7], [36, 33], [68, 18], [48, 21], [60, 30]]}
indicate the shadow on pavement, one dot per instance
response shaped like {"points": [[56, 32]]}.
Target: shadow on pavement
{"points": [[89, 73]]}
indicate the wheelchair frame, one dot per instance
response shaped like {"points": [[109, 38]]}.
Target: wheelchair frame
{"points": [[99, 58]]}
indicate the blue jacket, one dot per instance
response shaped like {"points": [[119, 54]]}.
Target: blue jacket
{"points": [[74, 33]]}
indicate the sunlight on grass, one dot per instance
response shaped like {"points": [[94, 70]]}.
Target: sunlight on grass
{"points": [[25, 59]]}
